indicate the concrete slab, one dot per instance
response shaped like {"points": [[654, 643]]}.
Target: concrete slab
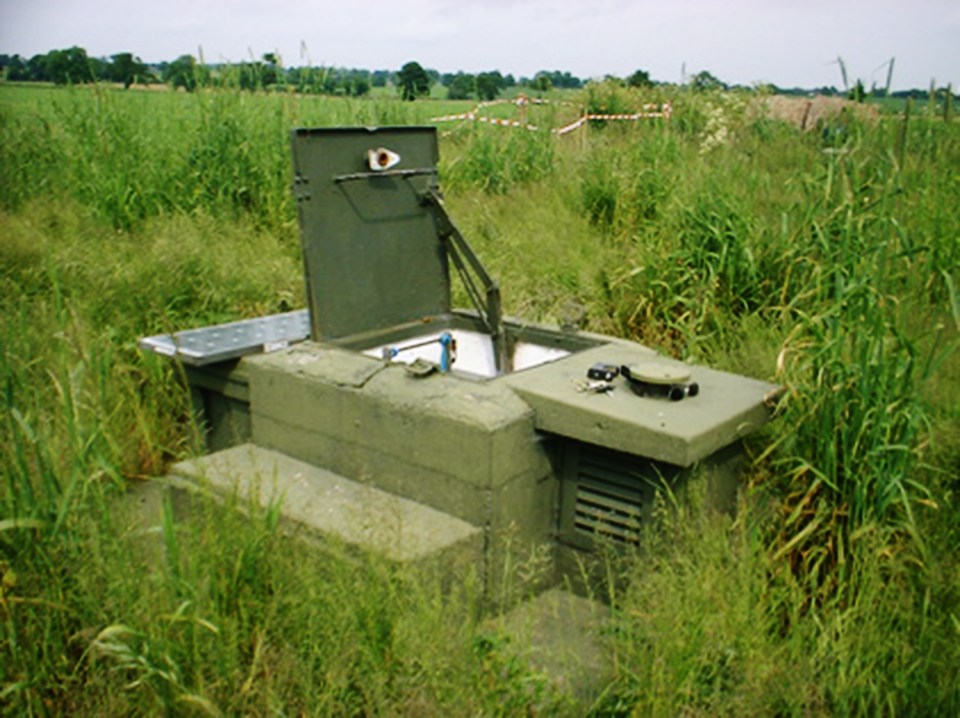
{"points": [[329, 364], [562, 637], [678, 432], [327, 504]]}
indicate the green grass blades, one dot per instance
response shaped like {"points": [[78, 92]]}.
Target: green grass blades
{"points": [[717, 236]]}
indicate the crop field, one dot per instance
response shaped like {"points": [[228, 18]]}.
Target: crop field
{"points": [[826, 260]]}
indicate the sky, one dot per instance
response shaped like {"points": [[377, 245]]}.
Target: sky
{"points": [[785, 42]]}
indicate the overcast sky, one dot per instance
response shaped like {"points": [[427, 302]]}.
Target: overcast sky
{"points": [[786, 42]]}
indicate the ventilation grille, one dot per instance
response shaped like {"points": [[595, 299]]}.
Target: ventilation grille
{"points": [[608, 511], [606, 495]]}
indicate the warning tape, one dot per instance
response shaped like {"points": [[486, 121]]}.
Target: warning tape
{"points": [[522, 100], [505, 123], [571, 127], [451, 118], [648, 111]]}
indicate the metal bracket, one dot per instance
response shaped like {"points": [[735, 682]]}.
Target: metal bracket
{"points": [[353, 176], [483, 290]]}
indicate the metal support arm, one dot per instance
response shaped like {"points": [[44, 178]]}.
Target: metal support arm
{"points": [[483, 290]]}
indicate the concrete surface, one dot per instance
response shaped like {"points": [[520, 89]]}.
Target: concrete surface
{"points": [[327, 504], [678, 432]]}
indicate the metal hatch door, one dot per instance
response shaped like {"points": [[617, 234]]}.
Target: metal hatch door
{"points": [[371, 251]]}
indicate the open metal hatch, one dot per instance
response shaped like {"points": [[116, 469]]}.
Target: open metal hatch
{"points": [[372, 255], [377, 244]]}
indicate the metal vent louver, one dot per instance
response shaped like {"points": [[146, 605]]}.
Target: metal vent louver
{"points": [[608, 510], [606, 495]]}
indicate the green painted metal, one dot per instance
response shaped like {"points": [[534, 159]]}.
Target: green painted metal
{"points": [[482, 289], [608, 494], [372, 255]]}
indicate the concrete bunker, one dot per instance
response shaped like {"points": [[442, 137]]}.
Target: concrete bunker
{"points": [[458, 433]]}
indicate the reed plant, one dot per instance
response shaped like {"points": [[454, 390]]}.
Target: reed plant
{"points": [[496, 162]]}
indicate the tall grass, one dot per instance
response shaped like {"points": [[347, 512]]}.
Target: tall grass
{"points": [[137, 156], [712, 623], [496, 161], [833, 591]]}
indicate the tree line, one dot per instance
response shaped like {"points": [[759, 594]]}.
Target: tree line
{"points": [[72, 66]]}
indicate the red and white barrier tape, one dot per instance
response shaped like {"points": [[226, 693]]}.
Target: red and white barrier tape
{"points": [[649, 111], [505, 123], [451, 118], [570, 128], [522, 100]]}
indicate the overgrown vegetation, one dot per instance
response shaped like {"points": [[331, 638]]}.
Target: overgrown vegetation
{"points": [[826, 261]]}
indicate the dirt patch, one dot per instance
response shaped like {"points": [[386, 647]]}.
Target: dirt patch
{"points": [[807, 113]]}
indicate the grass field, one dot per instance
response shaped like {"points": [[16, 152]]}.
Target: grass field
{"points": [[827, 261]]}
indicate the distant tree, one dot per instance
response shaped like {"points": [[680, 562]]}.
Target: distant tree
{"points": [[245, 75], [15, 67], [329, 81], [37, 69], [857, 92], [126, 69], [70, 66], [99, 69], [703, 81], [356, 83], [380, 78], [509, 81], [489, 85], [413, 81], [257, 75], [182, 72], [461, 86], [542, 82], [640, 78], [301, 78], [270, 72], [562, 79]]}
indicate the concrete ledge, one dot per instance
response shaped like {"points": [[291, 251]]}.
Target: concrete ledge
{"points": [[331, 505], [393, 472], [479, 432], [727, 407]]}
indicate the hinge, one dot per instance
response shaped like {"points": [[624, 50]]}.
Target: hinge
{"points": [[301, 192]]}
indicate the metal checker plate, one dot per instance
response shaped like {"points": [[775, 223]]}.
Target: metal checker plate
{"points": [[221, 342]]}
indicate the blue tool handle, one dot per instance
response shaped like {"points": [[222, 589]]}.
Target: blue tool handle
{"points": [[445, 341]]}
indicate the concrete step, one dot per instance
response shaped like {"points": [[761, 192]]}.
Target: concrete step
{"points": [[562, 636], [329, 505]]}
